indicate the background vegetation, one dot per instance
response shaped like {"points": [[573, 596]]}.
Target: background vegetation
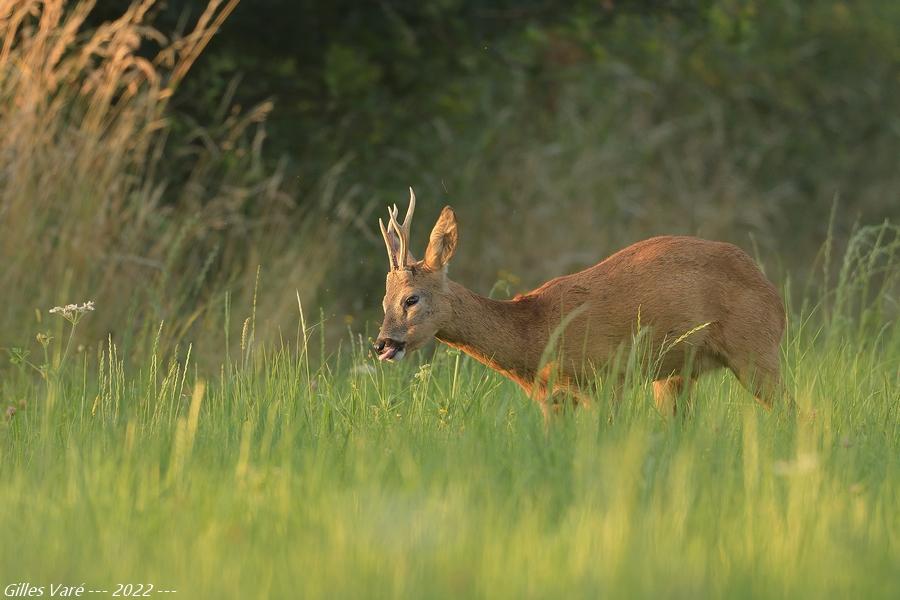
{"points": [[211, 175], [156, 178]]}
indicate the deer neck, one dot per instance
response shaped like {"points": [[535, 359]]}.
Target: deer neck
{"points": [[507, 336]]}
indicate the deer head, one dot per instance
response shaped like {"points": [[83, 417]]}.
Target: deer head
{"points": [[417, 301]]}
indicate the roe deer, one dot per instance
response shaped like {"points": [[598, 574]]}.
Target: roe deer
{"points": [[708, 296]]}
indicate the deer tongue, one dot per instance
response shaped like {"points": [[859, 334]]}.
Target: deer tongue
{"points": [[388, 353]]}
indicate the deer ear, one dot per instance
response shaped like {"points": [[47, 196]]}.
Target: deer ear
{"points": [[442, 243]]}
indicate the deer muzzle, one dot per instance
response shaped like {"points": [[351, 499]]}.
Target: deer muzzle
{"points": [[389, 349]]}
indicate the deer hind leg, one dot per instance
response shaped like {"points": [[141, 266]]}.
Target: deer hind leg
{"points": [[761, 377], [752, 354], [666, 393]]}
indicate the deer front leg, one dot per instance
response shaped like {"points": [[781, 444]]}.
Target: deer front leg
{"points": [[553, 401], [666, 393]]}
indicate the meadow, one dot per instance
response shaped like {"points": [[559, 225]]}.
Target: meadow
{"points": [[214, 423], [291, 473]]}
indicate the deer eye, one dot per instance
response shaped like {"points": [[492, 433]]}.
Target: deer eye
{"points": [[411, 301]]}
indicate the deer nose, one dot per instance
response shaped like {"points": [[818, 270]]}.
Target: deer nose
{"points": [[387, 348]]}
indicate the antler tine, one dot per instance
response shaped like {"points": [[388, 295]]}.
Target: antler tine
{"points": [[387, 243], [407, 220], [401, 255]]}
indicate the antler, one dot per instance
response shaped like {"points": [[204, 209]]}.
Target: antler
{"points": [[399, 261], [387, 242]]}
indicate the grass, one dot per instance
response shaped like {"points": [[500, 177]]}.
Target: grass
{"points": [[289, 475], [102, 190], [165, 438]]}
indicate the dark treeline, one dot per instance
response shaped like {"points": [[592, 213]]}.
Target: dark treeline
{"points": [[737, 119]]}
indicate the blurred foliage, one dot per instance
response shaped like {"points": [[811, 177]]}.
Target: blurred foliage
{"points": [[357, 77], [737, 119]]}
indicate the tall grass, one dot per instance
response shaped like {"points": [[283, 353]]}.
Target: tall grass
{"points": [[172, 442], [284, 475], [100, 199]]}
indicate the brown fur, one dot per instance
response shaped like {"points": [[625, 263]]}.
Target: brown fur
{"points": [[671, 284]]}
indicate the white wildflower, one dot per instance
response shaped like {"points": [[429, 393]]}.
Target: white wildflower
{"points": [[73, 312]]}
